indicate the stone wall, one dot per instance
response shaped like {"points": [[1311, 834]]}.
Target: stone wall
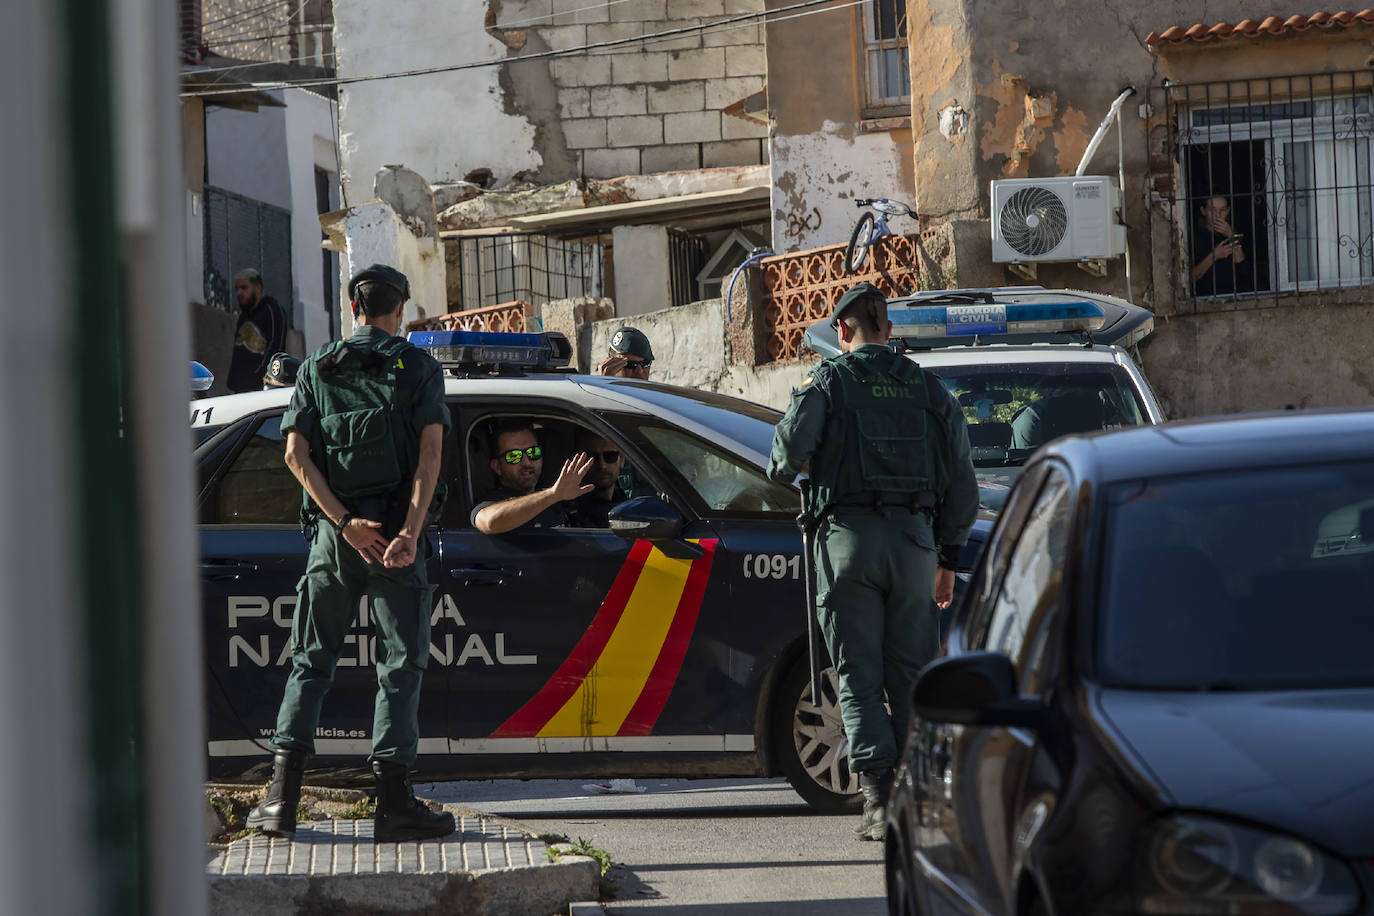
{"points": [[690, 349]]}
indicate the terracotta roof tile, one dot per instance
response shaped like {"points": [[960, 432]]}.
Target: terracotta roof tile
{"points": [[1252, 28]]}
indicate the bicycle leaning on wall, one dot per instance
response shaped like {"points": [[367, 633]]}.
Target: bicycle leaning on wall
{"points": [[869, 229]]}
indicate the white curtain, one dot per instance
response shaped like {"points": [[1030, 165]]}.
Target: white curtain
{"points": [[1329, 231]]}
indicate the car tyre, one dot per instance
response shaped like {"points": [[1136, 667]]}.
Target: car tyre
{"points": [[810, 744], [856, 252]]}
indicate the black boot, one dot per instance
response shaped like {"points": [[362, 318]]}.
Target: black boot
{"points": [[400, 815], [876, 786], [277, 813]]}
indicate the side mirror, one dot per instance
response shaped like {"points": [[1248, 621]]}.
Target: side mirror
{"points": [[978, 688], [652, 519]]}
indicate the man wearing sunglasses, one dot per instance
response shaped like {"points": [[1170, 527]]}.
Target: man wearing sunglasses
{"points": [[630, 355], [515, 502], [593, 509]]}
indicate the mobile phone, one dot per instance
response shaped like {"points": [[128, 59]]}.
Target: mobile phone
{"points": [[1236, 237]]}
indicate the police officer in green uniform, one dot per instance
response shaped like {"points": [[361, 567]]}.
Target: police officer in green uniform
{"points": [[364, 436], [893, 494]]}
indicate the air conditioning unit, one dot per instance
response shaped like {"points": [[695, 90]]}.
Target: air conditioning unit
{"points": [[1056, 219]]}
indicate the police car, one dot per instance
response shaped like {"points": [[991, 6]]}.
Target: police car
{"points": [[671, 645], [1028, 365]]}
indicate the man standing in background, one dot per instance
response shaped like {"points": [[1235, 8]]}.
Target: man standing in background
{"points": [[261, 332]]}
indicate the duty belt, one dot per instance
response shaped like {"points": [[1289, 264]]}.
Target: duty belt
{"points": [[915, 502]]}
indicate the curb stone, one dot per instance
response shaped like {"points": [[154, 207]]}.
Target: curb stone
{"points": [[489, 867]]}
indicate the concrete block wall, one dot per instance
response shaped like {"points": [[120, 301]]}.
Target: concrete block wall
{"points": [[651, 107], [248, 29]]}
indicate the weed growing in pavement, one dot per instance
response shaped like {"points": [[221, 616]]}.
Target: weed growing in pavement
{"points": [[606, 886], [360, 810]]}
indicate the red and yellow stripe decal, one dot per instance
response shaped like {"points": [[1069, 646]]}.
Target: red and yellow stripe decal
{"points": [[619, 675]]}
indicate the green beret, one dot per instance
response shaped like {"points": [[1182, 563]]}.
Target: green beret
{"points": [[634, 342], [379, 273], [281, 371], [853, 295]]}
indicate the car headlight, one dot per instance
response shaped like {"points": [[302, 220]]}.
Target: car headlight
{"points": [[1196, 864]]}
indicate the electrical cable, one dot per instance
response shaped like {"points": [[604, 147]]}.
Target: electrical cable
{"points": [[665, 35]]}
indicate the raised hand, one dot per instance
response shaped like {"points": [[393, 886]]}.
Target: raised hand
{"points": [[569, 484]]}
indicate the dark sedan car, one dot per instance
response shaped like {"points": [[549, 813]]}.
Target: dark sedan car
{"points": [[1159, 690]]}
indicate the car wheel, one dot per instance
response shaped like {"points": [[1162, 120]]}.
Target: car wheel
{"points": [[810, 743], [901, 875]]}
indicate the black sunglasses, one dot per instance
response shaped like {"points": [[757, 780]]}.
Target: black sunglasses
{"points": [[610, 456]]}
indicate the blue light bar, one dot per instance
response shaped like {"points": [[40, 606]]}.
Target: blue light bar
{"points": [[981, 319], [549, 350]]}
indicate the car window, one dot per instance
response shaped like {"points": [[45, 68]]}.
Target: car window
{"points": [[256, 488], [1011, 410], [1032, 585], [998, 548], [1252, 579], [719, 482], [559, 438]]}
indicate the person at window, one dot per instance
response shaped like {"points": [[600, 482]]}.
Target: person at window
{"points": [[364, 437], [593, 509], [1217, 251], [894, 496], [281, 372], [629, 355], [261, 331], [515, 501]]}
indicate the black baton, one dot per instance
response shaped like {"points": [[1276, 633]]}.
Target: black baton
{"points": [[807, 524]]}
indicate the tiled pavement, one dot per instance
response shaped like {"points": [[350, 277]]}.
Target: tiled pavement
{"points": [[488, 865]]}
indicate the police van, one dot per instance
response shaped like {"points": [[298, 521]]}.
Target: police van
{"points": [[668, 645]]}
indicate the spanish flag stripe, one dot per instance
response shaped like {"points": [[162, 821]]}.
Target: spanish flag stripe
{"points": [[614, 683], [644, 714], [535, 714]]}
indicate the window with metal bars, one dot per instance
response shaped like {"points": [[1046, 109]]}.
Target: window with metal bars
{"points": [[1275, 195], [529, 267], [886, 65]]}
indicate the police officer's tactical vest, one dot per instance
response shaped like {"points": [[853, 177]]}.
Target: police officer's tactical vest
{"points": [[362, 430], [882, 442]]}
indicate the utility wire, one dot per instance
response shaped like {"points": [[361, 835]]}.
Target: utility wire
{"points": [[664, 35]]}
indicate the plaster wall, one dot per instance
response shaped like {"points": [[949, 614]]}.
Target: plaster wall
{"points": [[442, 125], [374, 234], [246, 151], [1034, 87], [645, 287], [825, 150], [309, 145], [690, 350]]}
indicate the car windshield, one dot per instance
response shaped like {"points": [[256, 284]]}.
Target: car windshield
{"points": [[1247, 580], [1013, 409]]}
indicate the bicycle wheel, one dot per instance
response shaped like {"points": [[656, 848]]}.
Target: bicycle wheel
{"points": [[856, 253]]}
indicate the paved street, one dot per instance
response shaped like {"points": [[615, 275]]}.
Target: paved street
{"points": [[730, 846]]}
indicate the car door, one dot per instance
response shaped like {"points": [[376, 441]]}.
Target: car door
{"points": [[976, 774], [554, 633], [252, 556]]}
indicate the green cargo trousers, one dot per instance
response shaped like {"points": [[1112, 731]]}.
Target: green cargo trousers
{"points": [[875, 584], [336, 577]]}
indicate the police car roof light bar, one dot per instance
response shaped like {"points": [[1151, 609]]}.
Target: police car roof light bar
{"points": [[982, 320], [457, 349]]}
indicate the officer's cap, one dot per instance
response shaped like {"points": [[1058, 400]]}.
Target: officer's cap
{"points": [[379, 273], [633, 342], [281, 370], [855, 294]]}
